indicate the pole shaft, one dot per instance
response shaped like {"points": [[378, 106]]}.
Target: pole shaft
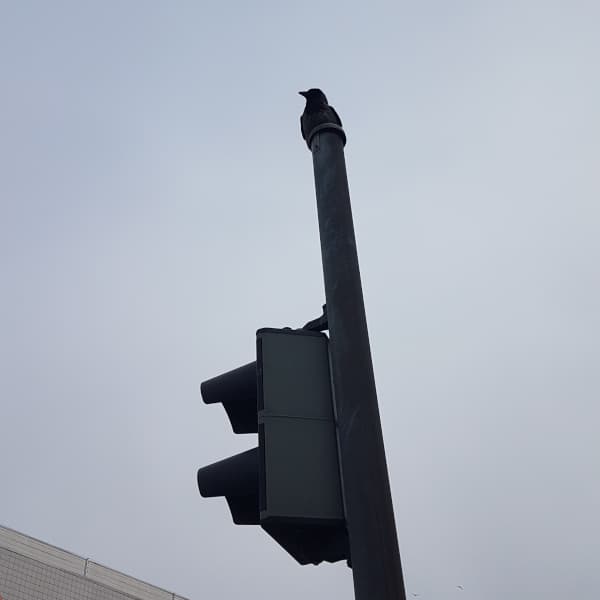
{"points": [[374, 550]]}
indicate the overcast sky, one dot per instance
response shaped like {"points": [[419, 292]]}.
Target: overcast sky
{"points": [[157, 207]]}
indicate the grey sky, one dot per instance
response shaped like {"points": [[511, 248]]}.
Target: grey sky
{"points": [[157, 207]]}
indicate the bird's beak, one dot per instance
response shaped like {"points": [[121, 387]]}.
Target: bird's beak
{"points": [[303, 94]]}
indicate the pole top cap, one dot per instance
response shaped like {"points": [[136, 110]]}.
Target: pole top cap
{"points": [[325, 127]]}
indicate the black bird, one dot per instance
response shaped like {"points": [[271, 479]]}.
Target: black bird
{"points": [[316, 112]]}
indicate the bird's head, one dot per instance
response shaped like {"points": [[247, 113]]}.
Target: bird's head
{"points": [[314, 96]]}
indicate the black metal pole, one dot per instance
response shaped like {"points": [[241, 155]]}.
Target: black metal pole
{"points": [[375, 557]]}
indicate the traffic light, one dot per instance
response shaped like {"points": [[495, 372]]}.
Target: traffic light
{"points": [[289, 484]]}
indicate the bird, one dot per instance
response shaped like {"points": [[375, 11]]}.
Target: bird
{"points": [[316, 112], [460, 587]]}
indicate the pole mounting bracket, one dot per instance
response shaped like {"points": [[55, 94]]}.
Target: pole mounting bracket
{"points": [[318, 324]]}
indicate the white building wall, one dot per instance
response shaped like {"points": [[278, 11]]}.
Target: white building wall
{"points": [[33, 570]]}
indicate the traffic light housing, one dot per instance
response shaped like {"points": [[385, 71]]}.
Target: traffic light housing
{"points": [[289, 484]]}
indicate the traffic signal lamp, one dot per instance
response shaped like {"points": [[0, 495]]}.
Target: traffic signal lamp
{"points": [[290, 484]]}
